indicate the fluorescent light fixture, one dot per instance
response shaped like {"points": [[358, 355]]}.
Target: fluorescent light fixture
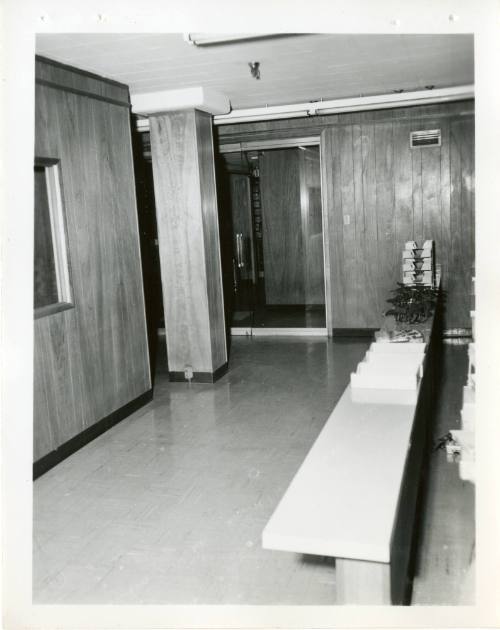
{"points": [[340, 105], [214, 39], [261, 115], [386, 101]]}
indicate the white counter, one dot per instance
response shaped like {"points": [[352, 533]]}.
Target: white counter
{"points": [[343, 500]]}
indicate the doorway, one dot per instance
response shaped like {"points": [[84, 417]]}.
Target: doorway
{"points": [[272, 238]]}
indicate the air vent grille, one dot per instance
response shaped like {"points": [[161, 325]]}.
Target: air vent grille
{"points": [[426, 138]]}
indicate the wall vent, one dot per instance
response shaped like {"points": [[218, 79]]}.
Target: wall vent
{"points": [[427, 138]]}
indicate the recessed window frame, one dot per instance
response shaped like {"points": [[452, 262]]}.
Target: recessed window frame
{"points": [[58, 228]]}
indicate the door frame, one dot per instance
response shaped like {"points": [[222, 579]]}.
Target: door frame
{"points": [[255, 145]]}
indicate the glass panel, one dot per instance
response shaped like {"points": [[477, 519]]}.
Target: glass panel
{"points": [[291, 290], [271, 227], [238, 239], [45, 268], [52, 290]]}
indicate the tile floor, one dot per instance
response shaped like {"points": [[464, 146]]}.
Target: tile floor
{"points": [[168, 506]]}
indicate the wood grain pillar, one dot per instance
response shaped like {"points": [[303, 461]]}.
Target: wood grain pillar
{"points": [[188, 232]]}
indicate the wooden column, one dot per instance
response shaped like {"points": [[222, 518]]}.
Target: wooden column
{"points": [[188, 232]]}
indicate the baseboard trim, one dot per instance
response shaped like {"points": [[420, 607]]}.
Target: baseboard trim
{"points": [[289, 332], [45, 463], [354, 332], [199, 377]]}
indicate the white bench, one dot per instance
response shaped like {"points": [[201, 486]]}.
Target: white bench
{"points": [[354, 496]]}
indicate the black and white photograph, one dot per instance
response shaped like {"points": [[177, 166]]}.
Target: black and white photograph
{"points": [[250, 265]]}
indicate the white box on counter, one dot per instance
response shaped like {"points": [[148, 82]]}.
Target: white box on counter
{"points": [[417, 265], [411, 245], [391, 380], [397, 347], [388, 361]]}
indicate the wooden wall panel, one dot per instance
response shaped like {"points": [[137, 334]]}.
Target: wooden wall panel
{"points": [[445, 246], [384, 194], [347, 237], [92, 359], [388, 257], [282, 227], [62, 75], [403, 187], [372, 301], [461, 220], [358, 213], [330, 147], [417, 193]]}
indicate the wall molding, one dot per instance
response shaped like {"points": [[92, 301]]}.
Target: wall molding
{"points": [[97, 97], [83, 73], [199, 377]]}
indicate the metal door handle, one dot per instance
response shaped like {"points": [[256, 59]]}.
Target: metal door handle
{"points": [[235, 277], [239, 250]]}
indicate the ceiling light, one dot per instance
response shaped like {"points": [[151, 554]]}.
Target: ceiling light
{"points": [[217, 39], [260, 114], [341, 105]]}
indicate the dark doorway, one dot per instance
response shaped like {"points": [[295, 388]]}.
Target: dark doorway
{"points": [[272, 238]]}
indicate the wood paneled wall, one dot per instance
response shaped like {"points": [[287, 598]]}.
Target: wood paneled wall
{"points": [[292, 226], [92, 359], [379, 193], [282, 226]]}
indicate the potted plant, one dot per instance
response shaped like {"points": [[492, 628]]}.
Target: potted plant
{"points": [[412, 303]]}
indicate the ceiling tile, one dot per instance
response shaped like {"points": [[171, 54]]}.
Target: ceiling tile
{"points": [[293, 69]]}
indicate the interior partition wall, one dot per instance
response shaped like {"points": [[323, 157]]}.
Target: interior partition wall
{"points": [[91, 364]]}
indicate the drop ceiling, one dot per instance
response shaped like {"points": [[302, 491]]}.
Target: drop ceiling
{"points": [[293, 69]]}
